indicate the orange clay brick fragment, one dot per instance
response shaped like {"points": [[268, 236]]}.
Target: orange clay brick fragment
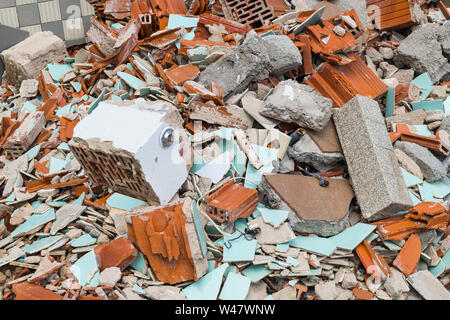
{"points": [[28, 291], [231, 202], [117, 253], [170, 239], [361, 294], [181, 74], [422, 217], [406, 261]]}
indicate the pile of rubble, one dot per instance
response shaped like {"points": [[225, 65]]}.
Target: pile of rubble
{"points": [[230, 150]]}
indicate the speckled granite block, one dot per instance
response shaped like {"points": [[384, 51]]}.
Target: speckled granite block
{"points": [[375, 174]]}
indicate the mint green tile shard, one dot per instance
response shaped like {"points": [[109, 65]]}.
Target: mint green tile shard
{"points": [[425, 84], [266, 155], [130, 80], [177, 20], [316, 245], [351, 237], [429, 190], [390, 102], [57, 71], [86, 270], [256, 272], [410, 179], [139, 264], [272, 216], [239, 250], [41, 244], [428, 105], [121, 201], [236, 287], [34, 223], [207, 287], [83, 241]]}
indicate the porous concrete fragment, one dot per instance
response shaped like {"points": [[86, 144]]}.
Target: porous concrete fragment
{"points": [[326, 290], [396, 284], [374, 55], [26, 59], [434, 125], [373, 167], [428, 286], [45, 269], [404, 76], [408, 164], [416, 117], [433, 116], [349, 281], [110, 276], [387, 53], [298, 103], [307, 151], [257, 291], [255, 59], [422, 51], [164, 293], [445, 125], [65, 215], [288, 293], [74, 233], [438, 93], [131, 295], [389, 69], [432, 169], [271, 235], [286, 165], [29, 88]]}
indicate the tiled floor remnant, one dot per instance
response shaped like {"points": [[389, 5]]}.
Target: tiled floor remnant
{"points": [[225, 150]]}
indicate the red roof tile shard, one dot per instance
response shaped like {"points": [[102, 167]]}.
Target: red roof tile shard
{"points": [[342, 83]]}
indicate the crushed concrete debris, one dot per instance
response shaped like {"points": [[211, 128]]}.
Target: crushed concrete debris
{"points": [[267, 150], [294, 102]]}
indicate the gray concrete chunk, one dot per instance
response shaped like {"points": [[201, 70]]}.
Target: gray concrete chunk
{"points": [[255, 59], [428, 286], [298, 103], [432, 169], [307, 151], [422, 51], [373, 167]]}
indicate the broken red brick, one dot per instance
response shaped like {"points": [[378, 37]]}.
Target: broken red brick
{"points": [[28, 291], [117, 253]]}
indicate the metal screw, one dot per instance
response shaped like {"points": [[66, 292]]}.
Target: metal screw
{"points": [[167, 137]]}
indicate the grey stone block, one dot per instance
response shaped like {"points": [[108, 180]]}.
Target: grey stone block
{"points": [[432, 169], [373, 167]]}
